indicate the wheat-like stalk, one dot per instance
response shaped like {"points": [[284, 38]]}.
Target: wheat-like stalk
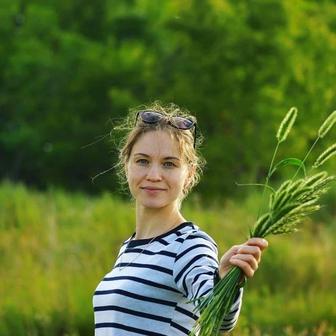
{"points": [[323, 130], [282, 133], [328, 123], [286, 124], [288, 206], [326, 155], [292, 202]]}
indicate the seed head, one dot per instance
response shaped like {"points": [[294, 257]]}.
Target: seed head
{"points": [[328, 123], [286, 124], [326, 155]]}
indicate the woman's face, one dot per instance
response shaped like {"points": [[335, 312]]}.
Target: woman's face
{"points": [[156, 173]]}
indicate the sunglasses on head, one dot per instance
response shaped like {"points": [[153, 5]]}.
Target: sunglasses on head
{"points": [[154, 117]]}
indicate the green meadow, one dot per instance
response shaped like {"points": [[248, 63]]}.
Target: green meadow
{"points": [[56, 246], [70, 72]]}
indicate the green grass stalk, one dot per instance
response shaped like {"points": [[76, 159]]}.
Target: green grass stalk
{"points": [[288, 205]]}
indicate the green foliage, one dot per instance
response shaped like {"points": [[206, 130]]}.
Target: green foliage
{"points": [[55, 247], [70, 69]]}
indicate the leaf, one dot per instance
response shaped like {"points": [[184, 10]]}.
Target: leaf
{"points": [[289, 162]]}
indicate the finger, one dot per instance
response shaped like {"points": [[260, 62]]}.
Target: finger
{"points": [[244, 266], [247, 258], [261, 242], [233, 250], [248, 249]]}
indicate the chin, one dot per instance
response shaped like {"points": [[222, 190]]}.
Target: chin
{"points": [[153, 204]]}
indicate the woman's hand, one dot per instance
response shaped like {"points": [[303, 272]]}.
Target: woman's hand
{"points": [[246, 256]]}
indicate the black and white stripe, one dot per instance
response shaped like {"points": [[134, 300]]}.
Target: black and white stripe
{"points": [[150, 296]]}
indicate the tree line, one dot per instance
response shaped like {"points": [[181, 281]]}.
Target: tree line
{"points": [[70, 70]]}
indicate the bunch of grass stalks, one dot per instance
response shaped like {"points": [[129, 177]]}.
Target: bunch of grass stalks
{"points": [[294, 200]]}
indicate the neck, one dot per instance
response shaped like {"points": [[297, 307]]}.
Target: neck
{"points": [[154, 222]]}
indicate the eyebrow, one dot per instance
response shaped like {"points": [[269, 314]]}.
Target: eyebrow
{"points": [[166, 158]]}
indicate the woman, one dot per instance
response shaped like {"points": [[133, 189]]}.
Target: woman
{"points": [[168, 260]]}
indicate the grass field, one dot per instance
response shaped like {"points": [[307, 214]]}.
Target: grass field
{"points": [[55, 247]]}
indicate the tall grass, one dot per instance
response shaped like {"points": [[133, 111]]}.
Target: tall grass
{"points": [[55, 247], [288, 206]]}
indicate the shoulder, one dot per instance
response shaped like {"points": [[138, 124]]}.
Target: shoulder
{"points": [[195, 232], [195, 236]]}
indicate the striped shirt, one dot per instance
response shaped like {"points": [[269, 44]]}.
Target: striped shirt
{"points": [[149, 295]]}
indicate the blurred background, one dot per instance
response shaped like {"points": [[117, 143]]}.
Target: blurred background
{"points": [[70, 70]]}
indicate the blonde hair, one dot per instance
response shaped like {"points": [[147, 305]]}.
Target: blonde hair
{"points": [[184, 138]]}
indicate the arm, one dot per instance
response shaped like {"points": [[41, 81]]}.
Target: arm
{"points": [[196, 270]]}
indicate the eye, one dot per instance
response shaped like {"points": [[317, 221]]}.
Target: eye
{"points": [[169, 164], [142, 161]]}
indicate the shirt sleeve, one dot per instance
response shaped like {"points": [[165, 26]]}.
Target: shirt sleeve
{"points": [[196, 272]]}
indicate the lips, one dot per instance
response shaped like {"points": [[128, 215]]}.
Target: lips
{"points": [[152, 188]]}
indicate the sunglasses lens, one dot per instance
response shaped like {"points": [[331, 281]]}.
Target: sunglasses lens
{"points": [[183, 123], [150, 117], [153, 117]]}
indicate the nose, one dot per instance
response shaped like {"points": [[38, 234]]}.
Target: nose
{"points": [[154, 173]]}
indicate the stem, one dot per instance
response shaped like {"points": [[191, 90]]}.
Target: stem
{"points": [[311, 148], [217, 305], [267, 178]]}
